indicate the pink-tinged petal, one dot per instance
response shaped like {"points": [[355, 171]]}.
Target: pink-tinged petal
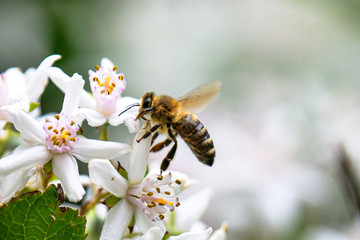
{"points": [[193, 235], [192, 209], [103, 174], [37, 82], [24, 159], [144, 223], [66, 169], [106, 63], [117, 220], [94, 118], [61, 80], [12, 184], [139, 156], [72, 96], [221, 233], [86, 149], [127, 118], [31, 130]]}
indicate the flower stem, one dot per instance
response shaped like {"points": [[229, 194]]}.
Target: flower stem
{"points": [[103, 132], [98, 195]]}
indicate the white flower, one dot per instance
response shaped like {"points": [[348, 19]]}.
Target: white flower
{"points": [[149, 199], [20, 89], [106, 102], [155, 233], [55, 139]]}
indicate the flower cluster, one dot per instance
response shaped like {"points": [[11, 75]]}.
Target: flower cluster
{"points": [[146, 199]]}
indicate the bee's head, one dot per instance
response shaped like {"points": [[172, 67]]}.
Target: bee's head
{"points": [[146, 104]]}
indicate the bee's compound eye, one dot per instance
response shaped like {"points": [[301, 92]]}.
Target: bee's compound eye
{"points": [[147, 103]]}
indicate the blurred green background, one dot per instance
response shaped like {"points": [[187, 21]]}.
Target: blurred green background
{"points": [[290, 95]]}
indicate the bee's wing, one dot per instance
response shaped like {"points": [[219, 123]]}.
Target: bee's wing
{"points": [[197, 99]]}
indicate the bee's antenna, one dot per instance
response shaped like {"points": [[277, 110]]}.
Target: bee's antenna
{"points": [[129, 107]]}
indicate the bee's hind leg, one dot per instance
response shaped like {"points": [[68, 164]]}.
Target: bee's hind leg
{"points": [[166, 161], [147, 133]]}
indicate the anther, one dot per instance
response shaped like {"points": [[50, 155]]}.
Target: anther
{"points": [[161, 216], [161, 204], [115, 68], [95, 79], [113, 84], [55, 131], [177, 204], [57, 116], [177, 181], [62, 129], [72, 139], [102, 91], [121, 77], [150, 194], [50, 127], [158, 189], [167, 192], [72, 123], [160, 177], [97, 67]]}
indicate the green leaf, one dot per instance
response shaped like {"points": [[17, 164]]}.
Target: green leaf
{"points": [[111, 200], [37, 215], [33, 105]]}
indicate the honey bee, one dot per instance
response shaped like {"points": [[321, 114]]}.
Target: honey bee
{"points": [[175, 116]]}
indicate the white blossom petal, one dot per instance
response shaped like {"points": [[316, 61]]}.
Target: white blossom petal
{"points": [[221, 233], [72, 96], [36, 84], [144, 223], [15, 80], [103, 174], [117, 220], [193, 235], [61, 80], [106, 63], [93, 117], [127, 118], [124, 102], [13, 183], [191, 209], [24, 159], [139, 156], [30, 129], [86, 149], [154, 233], [66, 169]]}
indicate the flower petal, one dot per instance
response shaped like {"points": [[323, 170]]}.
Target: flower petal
{"points": [[191, 209], [30, 129], [93, 117], [16, 86], [144, 223], [221, 233], [24, 159], [106, 63], [117, 220], [127, 118], [61, 80], [154, 233], [86, 149], [36, 84], [65, 168], [72, 96], [103, 174], [193, 235], [139, 156], [13, 183]]}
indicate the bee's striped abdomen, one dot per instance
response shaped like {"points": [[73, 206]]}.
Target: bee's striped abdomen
{"points": [[194, 133]]}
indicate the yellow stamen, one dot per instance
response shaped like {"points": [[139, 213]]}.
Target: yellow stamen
{"points": [[163, 201], [115, 68], [97, 67], [57, 116]]}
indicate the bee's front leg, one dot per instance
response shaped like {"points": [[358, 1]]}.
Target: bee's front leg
{"points": [[148, 132]]}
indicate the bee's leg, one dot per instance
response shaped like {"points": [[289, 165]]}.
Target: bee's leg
{"points": [[166, 161], [160, 145], [152, 129], [156, 134]]}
